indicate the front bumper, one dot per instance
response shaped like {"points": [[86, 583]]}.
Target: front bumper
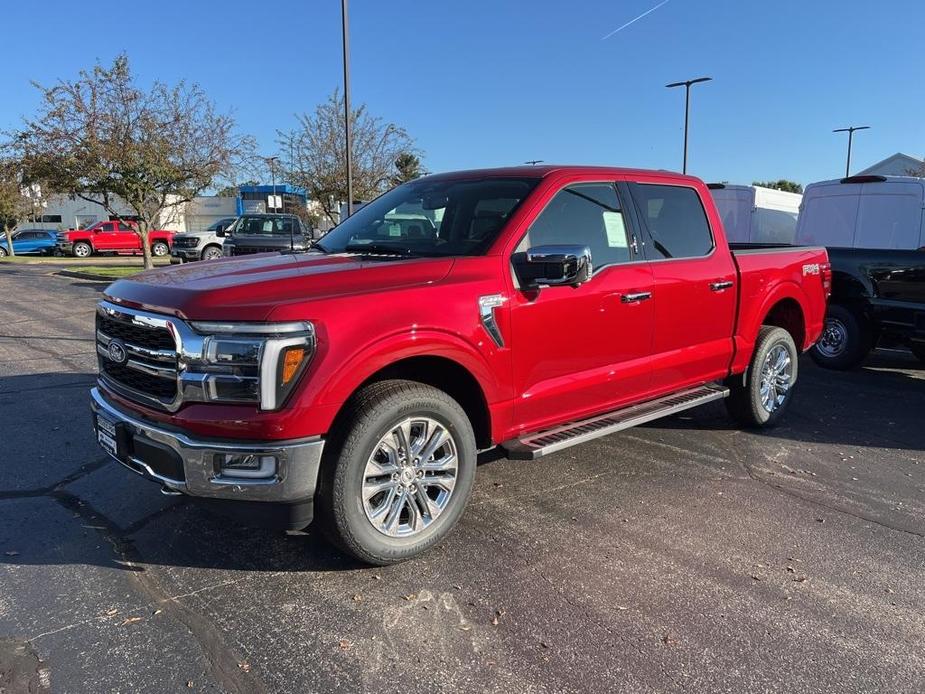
{"points": [[64, 248], [181, 255], [185, 465]]}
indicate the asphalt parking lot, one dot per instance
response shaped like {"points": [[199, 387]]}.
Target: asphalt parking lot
{"points": [[682, 556]]}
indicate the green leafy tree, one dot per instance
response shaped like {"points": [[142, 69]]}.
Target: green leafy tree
{"points": [[407, 168], [782, 184], [103, 138], [17, 198]]}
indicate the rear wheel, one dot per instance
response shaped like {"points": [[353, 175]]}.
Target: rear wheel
{"points": [[3, 252], [399, 473], [82, 250], [160, 249], [211, 252], [845, 341], [761, 396]]}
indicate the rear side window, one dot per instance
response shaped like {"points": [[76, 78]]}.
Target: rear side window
{"points": [[676, 220]]}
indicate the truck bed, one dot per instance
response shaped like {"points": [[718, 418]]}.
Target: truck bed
{"points": [[770, 274]]}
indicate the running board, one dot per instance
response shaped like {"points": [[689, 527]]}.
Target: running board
{"points": [[542, 443]]}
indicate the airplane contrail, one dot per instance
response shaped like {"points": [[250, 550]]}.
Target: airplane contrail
{"points": [[636, 19]]}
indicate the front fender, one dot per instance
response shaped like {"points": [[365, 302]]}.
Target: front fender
{"points": [[348, 376]]}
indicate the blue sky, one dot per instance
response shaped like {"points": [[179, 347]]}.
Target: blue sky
{"points": [[495, 82]]}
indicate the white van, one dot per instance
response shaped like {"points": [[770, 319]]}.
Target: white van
{"points": [[752, 214], [882, 212]]}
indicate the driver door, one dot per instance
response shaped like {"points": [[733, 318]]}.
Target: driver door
{"points": [[585, 349]]}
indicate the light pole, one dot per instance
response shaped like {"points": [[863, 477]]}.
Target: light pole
{"points": [[349, 136], [687, 107], [272, 162], [850, 132]]}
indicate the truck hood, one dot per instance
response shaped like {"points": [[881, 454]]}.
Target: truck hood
{"points": [[250, 288]]}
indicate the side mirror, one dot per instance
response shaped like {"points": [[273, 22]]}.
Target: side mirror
{"points": [[552, 266], [221, 233]]}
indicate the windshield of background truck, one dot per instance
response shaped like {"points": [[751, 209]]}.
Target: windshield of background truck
{"points": [[265, 226], [440, 218]]}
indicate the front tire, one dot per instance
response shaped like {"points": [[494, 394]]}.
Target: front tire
{"points": [[845, 340], [82, 250], [211, 253], [759, 398], [398, 472], [3, 252], [160, 249]]}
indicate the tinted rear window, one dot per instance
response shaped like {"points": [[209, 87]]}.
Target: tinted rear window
{"points": [[676, 220]]}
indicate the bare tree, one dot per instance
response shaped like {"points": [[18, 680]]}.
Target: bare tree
{"points": [[102, 138], [314, 154]]}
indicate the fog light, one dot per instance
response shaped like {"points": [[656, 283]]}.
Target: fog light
{"points": [[248, 465]]}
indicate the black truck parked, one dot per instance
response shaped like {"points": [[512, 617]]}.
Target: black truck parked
{"points": [[873, 229], [262, 233]]}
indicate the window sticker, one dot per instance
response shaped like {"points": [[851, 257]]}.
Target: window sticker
{"points": [[616, 230]]}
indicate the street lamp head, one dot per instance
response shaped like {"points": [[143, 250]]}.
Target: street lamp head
{"points": [[688, 83], [852, 129]]}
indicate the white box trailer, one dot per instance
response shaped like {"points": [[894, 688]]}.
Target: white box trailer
{"points": [[753, 214]]}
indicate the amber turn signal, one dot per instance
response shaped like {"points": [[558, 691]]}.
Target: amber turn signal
{"points": [[291, 362]]}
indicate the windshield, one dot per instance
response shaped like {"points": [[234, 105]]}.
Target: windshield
{"points": [[433, 218], [264, 226]]}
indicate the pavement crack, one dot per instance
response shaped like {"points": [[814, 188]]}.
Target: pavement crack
{"points": [[816, 502]]}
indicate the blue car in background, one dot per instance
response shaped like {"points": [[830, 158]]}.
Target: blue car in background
{"points": [[30, 242]]}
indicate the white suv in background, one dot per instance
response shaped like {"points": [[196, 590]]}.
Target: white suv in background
{"points": [[200, 245]]}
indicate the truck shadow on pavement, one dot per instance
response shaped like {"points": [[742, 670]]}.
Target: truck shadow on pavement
{"points": [[53, 471], [875, 405]]}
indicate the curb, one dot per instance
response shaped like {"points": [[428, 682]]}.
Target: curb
{"points": [[85, 276]]}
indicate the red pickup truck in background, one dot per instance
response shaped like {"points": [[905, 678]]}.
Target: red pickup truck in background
{"points": [[112, 237], [531, 308]]}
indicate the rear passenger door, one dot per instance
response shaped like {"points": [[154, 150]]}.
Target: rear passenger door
{"points": [[126, 239], [694, 286], [105, 238]]}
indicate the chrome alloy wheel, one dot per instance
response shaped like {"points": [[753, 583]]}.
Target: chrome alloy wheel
{"points": [[409, 477], [776, 378], [834, 338]]}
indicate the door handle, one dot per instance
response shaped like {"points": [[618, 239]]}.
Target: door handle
{"points": [[720, 286], [636, 297]]}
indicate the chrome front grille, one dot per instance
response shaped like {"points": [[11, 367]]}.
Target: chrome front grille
{"points": [[138, 355]]}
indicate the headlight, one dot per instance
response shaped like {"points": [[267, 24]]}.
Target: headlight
{"points": [[254, 362]]}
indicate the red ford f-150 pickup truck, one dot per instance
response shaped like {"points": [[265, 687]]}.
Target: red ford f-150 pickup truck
{"points": [[112, 237], [528, 308]]}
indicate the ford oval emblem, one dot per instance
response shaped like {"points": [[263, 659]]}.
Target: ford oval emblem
{"points": [[117, 352]]}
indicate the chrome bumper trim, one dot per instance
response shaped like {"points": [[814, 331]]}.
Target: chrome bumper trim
{"points": [[297, 469]]}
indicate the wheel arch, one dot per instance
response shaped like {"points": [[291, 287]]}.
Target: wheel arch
{"points": [[444, 362]]}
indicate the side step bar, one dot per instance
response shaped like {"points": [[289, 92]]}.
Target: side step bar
{"points": [[538, 444]]}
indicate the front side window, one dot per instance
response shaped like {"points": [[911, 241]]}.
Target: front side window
{"points": [[108, 226], [676, 220], [587, 214], [432, 218]]}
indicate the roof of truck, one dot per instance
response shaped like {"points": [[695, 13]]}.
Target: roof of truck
{"points": [[543, 170]]}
